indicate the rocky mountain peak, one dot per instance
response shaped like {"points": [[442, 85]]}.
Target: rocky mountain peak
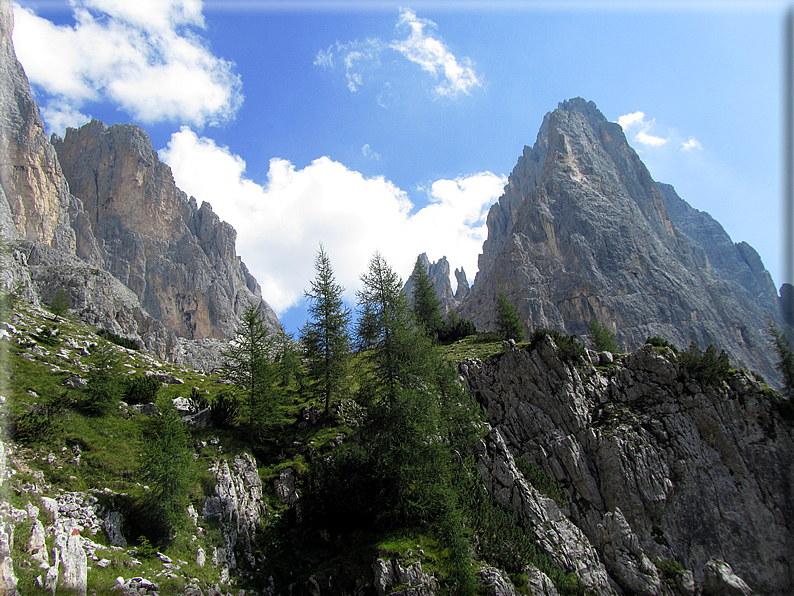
{"points": [[583, 232], [178, 259], [98, 216]]}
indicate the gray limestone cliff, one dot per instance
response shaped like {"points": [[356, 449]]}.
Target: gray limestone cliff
{"points": [[656, 465], [104, 222], [439, 274], [177, 258], [583, 232]]}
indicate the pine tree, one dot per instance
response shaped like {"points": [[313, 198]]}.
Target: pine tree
{"points": [[508, 323], [247, 363], [781, 343], [420, 418], [426, 307], [103, 389], [167, 467], [325, 337], [385, 326], [603, 339]]}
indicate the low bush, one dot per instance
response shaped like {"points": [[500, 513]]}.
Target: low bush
{"points": [[124, 342], [659, 342], [568, 348], [141, 389], [37, 422], [707, 367], [47, 336], [60, 304], [225, 409], [455, 328], [543, 481]]}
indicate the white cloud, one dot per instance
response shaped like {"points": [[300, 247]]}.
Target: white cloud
{"points": [[367, 151], [692, 143], [646, 139], [362, 59], [280, 224], [637, 120], [434, 57], [143, 55], [630, 120]]}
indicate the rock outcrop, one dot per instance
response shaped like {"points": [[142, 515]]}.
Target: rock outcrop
{"points": [[658, 466], [438, 273], [237, 506], [583, 232], [131, 251], [177, 258]]}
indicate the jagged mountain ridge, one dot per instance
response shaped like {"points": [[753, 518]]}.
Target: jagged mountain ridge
{"points": [[438, 272], [102, 220], [583, 232]]}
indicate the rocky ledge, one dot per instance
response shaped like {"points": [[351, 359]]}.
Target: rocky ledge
{"points": [[677, 485]]}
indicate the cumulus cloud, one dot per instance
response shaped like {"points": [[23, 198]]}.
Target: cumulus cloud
{"points": [[362, 58], [144, 56], [281, 223], [636, 120]]}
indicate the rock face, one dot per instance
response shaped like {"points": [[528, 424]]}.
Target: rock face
{"points": [[438, 273], [583, 232], [132, 252], [35, 196], [656, 464], [561, 540], [237, 506], [178, 259]]}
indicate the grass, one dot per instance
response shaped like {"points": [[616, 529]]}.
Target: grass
{"points": [[471, 347]]}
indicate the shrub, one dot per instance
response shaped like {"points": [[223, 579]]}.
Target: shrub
{"points": [[124, 342], [48, 336], [542, 481], [103, 390], [225, 409], [603, 339], [60, 304], [141, 389], [670, 569], [568, 348], [660, 342], [37, 422], [455, 328], [707, 367]]}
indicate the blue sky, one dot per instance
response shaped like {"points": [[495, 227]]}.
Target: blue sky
{"points": [[379, 126]]}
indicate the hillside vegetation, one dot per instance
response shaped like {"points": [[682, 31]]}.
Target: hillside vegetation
{"points": [[341, 488]]}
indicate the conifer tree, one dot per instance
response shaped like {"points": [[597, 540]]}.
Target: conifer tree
{"points": [[247, 364], [781, 343], [385, 325], [167, 467], [103, 390], [426, 307], [325, 336], [508, 323], [419, 414], [603, 339]]}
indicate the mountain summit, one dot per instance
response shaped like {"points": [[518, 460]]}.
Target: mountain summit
{"points": [[98, 217], [583, 232]]}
